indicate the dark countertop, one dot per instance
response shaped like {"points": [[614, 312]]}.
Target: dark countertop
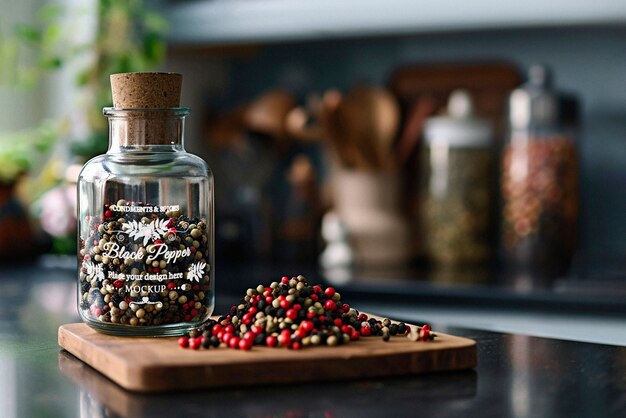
{"points": [[517, 375]]}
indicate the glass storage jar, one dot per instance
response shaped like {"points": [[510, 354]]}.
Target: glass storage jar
{"points": [[457, 185], [145, 213], [540, 179]]}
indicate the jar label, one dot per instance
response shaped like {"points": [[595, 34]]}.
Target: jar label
{"points": [[144, 265]]}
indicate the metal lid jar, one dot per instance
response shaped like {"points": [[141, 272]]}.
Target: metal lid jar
{"points": [[540, 178], [457, 187]]}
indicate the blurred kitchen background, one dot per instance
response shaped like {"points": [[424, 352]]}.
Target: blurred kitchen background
{"points": [[391, 144]]}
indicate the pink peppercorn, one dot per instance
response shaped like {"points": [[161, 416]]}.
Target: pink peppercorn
{"points": [[183, 342], [245, 344], [195, 343], [366, 331], [234, 342], [271, 341], [285, 338], [330, 305]]}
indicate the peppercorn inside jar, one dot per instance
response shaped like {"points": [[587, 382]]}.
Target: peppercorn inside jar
{"points": [[456, 186], [145, 212], [540, 180]]}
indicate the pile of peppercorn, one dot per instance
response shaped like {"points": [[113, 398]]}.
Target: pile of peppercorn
{"points": [[293, 314]]}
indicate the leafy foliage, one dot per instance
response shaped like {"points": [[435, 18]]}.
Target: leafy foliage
{"points": [[20, 150]]}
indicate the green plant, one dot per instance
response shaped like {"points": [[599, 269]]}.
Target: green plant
{"points": [[19, 150], [130, 37]]}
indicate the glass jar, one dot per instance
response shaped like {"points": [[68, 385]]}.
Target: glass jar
{"points": [[540, 179], [457, 185], [145, 214]]}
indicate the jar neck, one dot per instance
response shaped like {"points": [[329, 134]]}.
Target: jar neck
{"points": [[146, 130]]}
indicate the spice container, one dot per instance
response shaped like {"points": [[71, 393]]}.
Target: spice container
{"points": [[145, 213], [456, 185], [540, 178]]}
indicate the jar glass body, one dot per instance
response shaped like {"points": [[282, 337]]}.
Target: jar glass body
{"points": [[145, 233], [457, 194], [539, 200]]}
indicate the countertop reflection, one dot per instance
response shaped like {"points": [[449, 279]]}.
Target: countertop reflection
{"points": [[517, 375]]}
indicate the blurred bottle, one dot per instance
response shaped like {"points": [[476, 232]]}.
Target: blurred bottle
{"points": [[457, 185], [540, 179]]}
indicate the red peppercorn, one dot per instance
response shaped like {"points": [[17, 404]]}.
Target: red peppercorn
{"points": [[187, 318], [346, 329], [297, 306], [158, 241], [249, 336], [194, 312], [284, 280], [317, 289], [314, 297], [171, 285], [183, 342], [362, 317], [354, 335], [292, 314], [195, 343], [307, 326], [285, 304], [269, 300], [296, 345], [256, 329], [300, 333], [107, 213], [229, 328], [226, 337], [118, 283], [338, 322], [196, 287], [234, 342], [366, 331], [424, 334], [271, 341], [245, 344], [253, 310], [285, 338], [310, 315], [330, 305], [330, 291]]}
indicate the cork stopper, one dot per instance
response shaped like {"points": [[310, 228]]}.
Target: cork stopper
{"points": [[149, 90]]}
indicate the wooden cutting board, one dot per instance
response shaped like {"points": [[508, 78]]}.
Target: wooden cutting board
{"points": [[158, 364]]}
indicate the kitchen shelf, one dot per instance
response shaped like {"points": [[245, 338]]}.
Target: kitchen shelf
{"points": [[222, 22]]}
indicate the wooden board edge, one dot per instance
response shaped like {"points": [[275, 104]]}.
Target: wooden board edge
{"points": [[146, 379]]}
